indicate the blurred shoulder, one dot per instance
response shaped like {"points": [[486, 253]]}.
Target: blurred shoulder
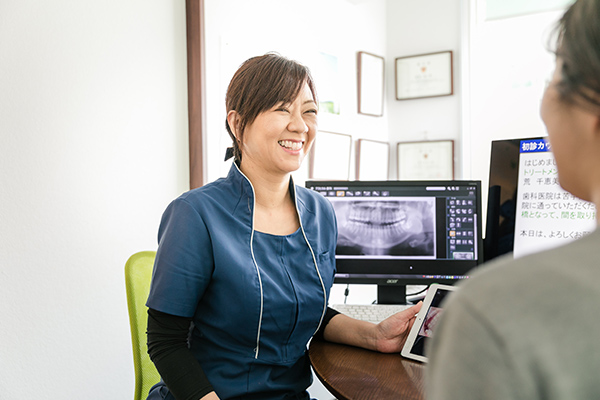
{"points": [[511, 281]]}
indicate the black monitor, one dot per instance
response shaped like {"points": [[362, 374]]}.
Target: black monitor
{"points": [[502, 197], [395, 233]]}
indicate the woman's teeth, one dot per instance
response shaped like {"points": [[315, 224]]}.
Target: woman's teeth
{"points": [[291, 145]]}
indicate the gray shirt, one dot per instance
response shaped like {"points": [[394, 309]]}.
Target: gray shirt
{"points": [[523, 329]]}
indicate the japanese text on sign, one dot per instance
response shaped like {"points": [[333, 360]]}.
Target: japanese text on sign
{"points": [[547, 215]]}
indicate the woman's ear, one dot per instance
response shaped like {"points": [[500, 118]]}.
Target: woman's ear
{"points": [[233, 119], [597, 124], [594, 126]]}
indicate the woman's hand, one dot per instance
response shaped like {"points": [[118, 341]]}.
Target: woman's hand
{"points": [[392, 332], [387, 337], [210, 396]]}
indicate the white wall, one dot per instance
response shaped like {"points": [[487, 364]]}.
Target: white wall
{"points": [[420, 27], [509, 68], [93, 145]]}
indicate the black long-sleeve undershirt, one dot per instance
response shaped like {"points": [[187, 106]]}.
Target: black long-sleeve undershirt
{"points": [[179, 369], [168, 349]]}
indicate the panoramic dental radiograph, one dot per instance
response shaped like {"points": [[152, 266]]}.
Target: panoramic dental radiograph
{"points": [[386, 228]]}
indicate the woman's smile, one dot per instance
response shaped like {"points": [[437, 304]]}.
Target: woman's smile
{"points": [[291, 145]]}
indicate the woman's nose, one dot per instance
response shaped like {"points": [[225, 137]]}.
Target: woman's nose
{"points": [[297, 123]]}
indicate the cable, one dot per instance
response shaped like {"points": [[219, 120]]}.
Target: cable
{"points": [[346, 292], [419, 292]]}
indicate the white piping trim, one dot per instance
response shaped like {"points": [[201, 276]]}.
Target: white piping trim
{"points": [[255, 265], [314, 260]]}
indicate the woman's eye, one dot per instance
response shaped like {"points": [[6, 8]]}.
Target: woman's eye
{"points": [[311, 111]]}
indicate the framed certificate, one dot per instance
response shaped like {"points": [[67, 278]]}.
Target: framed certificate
{"points": [[370, 84], [430, 160], [424, 75], [330, 156], [372, 160]]}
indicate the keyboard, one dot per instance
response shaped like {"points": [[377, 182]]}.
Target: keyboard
{"points": [[370, 312]]}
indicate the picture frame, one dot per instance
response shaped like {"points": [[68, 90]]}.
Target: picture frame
{"points": [[330, 156], [428, 160], [371, 69], [372, 160], [424, 75]]}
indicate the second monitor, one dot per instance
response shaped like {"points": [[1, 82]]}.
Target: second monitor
{"points": [[395, 233]]}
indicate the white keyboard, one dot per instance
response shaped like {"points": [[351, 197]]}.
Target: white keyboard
{"points": [[370, 312]]}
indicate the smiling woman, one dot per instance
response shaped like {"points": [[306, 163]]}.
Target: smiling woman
{"points": [[291, 92], [279, 138], [272, 127], [218, 240], [245, 264]]}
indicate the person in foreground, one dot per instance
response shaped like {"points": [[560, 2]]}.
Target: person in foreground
{"points": [[529, 328], [245, 264]]}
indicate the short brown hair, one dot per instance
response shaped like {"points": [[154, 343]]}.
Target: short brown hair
{"points": [[578, 46], [258, 85]]}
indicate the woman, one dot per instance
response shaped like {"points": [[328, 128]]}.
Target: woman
{"points": [[528, 328], [248, 261]]}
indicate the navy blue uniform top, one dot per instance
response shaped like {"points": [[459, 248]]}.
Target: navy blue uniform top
{"points": [[256, 299]]}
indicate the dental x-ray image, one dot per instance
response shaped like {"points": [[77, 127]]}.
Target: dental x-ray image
{"points": [[386, 227]]}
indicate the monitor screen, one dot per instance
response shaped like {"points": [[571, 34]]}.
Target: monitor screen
{"points": [[528, 211], [502, 197], [394, 233]]}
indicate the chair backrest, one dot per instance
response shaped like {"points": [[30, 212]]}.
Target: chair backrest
{"points": [[138, 274]]}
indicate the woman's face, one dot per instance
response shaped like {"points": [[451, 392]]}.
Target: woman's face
{"points": [[279, 139]]}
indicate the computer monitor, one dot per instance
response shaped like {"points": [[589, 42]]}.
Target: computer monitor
{"points": [[395, 233], [528, 211], [502, 197]]}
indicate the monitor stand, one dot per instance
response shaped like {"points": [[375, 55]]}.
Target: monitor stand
{"points": [[391, 294]]}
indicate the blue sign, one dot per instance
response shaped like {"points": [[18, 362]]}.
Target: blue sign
{"points": [[534, 146]]}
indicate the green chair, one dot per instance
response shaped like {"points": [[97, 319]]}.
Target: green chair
{"points": [[138, 274]]}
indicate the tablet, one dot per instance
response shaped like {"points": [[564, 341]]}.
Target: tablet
{"points": [[424, 325]]}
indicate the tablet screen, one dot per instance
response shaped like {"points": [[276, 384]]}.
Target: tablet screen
{"points": [[425, 324]]}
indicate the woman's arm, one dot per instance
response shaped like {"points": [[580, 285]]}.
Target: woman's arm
{"points": [[387, 337], [168, 349], [210, 396]]}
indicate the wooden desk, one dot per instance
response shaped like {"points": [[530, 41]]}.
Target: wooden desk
{"points": [[352, 373]]}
